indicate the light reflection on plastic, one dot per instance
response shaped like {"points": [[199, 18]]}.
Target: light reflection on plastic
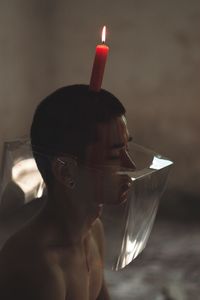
{"points": [[159, 163], [133, 248], [130, 245], [27, 176]]}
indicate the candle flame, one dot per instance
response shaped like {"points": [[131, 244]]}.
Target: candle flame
{"points": [[103, 36]]}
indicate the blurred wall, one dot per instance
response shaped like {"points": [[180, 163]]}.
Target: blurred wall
{"points": [[153, 67]]}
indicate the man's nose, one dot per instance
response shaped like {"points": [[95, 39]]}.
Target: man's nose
{"points": [[127, 161]]}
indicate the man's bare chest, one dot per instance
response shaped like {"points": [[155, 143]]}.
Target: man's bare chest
{"points": [[82, 270]]}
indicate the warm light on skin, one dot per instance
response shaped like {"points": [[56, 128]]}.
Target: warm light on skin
{"points": [[103, 36]]}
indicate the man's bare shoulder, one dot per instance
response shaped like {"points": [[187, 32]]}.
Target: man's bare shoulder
{"points": [[34, 281], [33, 285], [25, 273]]}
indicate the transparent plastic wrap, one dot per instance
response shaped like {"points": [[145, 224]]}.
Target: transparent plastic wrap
{"points": [[128, 226], [126, 198], [20, 184]]}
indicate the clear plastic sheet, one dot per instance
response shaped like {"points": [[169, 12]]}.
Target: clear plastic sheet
{"points": [[20, 184], [128, 226], [129, 196]]}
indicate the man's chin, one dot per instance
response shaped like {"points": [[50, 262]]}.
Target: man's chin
{"points": [[123, 197], [99, 210], [96, 212]]}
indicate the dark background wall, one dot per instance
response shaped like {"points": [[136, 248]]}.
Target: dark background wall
{"points": [[153, 67]]}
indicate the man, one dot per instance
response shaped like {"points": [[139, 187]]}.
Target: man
{"points": [[77, 137]]}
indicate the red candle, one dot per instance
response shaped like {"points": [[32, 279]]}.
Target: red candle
{"points": [[99, 64]]}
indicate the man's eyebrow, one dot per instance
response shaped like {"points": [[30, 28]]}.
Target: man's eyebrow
{"points": [[121, 145]]}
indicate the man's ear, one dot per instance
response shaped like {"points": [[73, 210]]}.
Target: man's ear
{"points": [[63, 168], [59, 169]]}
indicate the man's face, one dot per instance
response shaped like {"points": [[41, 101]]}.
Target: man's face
{"points": [[112, 144], [106, 158]]}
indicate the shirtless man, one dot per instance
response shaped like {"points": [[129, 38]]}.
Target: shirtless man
{"points": [[59, 255]]}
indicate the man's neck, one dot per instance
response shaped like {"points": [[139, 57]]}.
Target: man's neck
{"points": [[68, 224]]}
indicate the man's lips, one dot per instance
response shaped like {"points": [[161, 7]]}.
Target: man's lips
{"points": [[124, 192], [125, 188]]}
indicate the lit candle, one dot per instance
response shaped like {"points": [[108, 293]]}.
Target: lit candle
{"points": [[99, 64]]}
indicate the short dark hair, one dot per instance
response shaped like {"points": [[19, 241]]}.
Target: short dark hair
{"points": [[65, 122]]}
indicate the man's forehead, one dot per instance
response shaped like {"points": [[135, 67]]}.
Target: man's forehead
{"points": [[113, 134], [114, 131]]}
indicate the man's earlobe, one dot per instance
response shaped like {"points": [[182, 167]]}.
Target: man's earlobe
{"points": [[59, 170], [69, 183], [62, 169]]}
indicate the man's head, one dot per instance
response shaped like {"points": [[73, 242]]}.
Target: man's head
{"points": [[67, 121]]}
